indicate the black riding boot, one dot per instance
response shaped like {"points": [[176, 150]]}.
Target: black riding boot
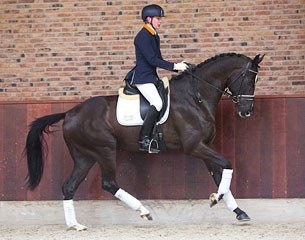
{"points": [[146, 130]]}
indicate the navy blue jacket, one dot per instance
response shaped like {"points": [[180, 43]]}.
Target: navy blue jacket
{"points": [[148, 57]]}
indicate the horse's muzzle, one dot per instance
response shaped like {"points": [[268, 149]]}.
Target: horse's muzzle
{"points": [[245, 107]]}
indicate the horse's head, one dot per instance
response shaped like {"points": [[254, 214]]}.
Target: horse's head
{"points": [[242, 87]]}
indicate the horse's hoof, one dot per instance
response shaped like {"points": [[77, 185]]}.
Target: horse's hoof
{"points": [[78, 227], [213, 200], [243, 217], [147, 217]]}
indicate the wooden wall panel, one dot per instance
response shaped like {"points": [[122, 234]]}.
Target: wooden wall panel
{"points": [[264, 145], [295, 148], [2, 160], [279, 148], [267, 152]]}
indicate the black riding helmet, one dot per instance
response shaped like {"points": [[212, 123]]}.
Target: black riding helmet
{"points": [[152, 10]]}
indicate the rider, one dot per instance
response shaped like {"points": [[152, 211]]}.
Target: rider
{"points": [[148, 58]]}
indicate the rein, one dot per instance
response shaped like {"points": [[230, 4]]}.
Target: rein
{"points": [[234, 98]]}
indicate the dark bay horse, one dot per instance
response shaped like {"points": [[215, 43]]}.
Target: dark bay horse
{"points": [[93, 134]]}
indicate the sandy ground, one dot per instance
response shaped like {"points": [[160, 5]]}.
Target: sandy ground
{"points": [[289, 231], [271, 219]]}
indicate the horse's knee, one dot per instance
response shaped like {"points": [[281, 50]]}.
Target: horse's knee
{"points": [[109, 185]]}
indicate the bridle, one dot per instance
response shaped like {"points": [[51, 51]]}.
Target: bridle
{"points": [[235, 98]]}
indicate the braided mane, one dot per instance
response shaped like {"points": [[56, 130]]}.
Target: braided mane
{"points": [[211, 60]]}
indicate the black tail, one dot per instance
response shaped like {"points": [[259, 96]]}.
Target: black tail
{"points": [[34, 147]]}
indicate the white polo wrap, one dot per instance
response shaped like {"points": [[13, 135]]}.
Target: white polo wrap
{"points": [[225, 182], [130, 200], [69, 213], [230, 201]]}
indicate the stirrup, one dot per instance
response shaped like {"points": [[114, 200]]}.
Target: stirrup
{"points": [[153, 149], [150, 146]]}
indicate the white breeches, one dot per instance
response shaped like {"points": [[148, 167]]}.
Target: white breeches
{"points": [[150, 92]]}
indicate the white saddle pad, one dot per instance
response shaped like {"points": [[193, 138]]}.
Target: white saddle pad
{"points": [[128, 110]]}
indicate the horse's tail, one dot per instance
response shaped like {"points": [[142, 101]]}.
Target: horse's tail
{"points": [[34, 147]]}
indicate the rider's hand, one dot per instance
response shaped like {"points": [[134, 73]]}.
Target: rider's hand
{"points": [[182, 66]]}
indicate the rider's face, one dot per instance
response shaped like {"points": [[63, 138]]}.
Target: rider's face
{"points": [[155, 22]]}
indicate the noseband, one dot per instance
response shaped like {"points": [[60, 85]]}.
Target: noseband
{"points": [[235, 98]]}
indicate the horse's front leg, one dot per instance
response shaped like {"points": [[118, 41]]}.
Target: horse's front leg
{"points": [[223, 186], [227, 196], [221, 170]]}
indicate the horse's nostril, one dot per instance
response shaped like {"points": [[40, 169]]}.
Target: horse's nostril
{"points": [[248, 114], [241, 114]]}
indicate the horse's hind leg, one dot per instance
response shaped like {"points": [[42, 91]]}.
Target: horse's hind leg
{"points": [[109, 184], [82, 165], [108, 167]]}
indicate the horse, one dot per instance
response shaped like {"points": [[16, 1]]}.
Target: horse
{"points": [[93, 134]]}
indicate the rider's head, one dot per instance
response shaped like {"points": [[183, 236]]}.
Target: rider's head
{"points": [[152, 14]]}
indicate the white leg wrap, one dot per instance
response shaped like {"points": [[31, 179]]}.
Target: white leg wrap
{"points": [[230, 201], [131, 201], [71, 218], [69, 213], [225, 182]]}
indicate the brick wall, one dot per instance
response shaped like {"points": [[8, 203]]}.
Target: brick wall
{"points": [[74, 49]]}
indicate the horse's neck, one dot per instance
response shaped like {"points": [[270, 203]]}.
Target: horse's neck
{"points": [[187, 91], [214, 77], [212, 84]]}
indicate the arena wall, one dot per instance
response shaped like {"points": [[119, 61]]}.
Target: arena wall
{"points": [[267, 152]]}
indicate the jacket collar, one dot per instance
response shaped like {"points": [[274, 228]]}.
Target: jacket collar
{"points": [[150, 29]]}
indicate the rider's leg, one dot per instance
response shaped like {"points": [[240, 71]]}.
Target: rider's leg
{"points": [[150, 92]]}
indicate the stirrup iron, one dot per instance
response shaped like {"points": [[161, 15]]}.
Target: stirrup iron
{"points": [[153, 149]]}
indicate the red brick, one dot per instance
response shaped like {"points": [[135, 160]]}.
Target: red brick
{"points": [[69, 43]]}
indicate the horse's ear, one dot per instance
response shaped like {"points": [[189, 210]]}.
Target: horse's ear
{"points": [[261, 59], [257, 60]]}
